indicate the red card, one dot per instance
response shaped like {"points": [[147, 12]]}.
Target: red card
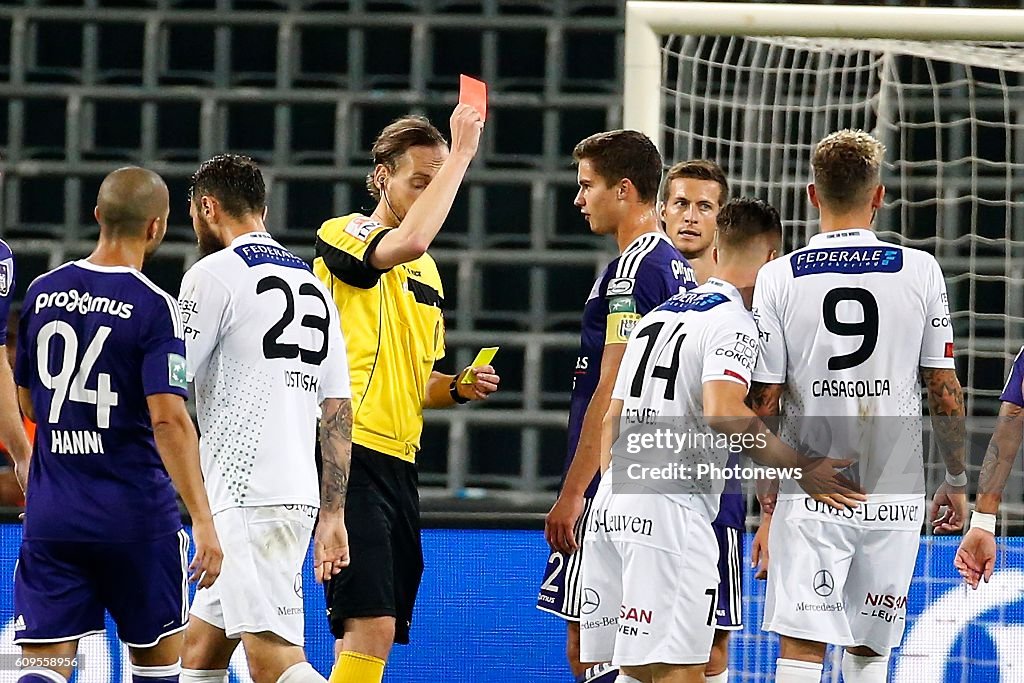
{"points": [[473, 93]]}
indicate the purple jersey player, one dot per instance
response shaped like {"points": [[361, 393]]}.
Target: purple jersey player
{"points": [[618, 174], [101, 369]]}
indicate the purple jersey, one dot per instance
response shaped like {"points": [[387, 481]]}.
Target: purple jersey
{"points": [[1013, 391], [6, 288], [93, 343], [642, 277]]}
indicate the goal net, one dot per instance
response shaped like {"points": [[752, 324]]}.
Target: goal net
{"points": [[950, 113]]}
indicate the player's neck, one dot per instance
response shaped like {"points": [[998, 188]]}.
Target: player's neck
{"points": [[642, 218], [855, 220], [231, 231], [384, 215], [703, 265], [740, 276], [118, 252]]}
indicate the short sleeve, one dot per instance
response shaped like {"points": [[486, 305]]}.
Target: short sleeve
{"points": [[345, 245], [729, 350], [204, 302], [1013, 390], [767, 310], [163, 362], [937, 341], [336, 382]]}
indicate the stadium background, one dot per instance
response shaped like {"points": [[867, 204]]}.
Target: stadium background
{"points": [[89, 85]]}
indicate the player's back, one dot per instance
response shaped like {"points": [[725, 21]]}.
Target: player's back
{"points": [[703, 335], [94, 341], [853, 320], [264, 345]]}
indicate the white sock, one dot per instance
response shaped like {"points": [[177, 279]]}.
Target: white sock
{"points": [[795, 671], [623, 678], [718, 678], [303, 672], [857, 669], [157, 671], [203, 676]]}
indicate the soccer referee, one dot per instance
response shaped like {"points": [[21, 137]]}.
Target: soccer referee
{"points": [[389, 295]]}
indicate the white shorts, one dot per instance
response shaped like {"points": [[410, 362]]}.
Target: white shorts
{"points": [[650, 582], [260, 584], [837, 583]]}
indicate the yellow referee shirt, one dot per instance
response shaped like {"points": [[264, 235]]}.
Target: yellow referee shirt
{"points": [[393, 328]]}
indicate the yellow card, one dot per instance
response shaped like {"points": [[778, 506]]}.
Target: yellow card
{"points": [[483, 357]]}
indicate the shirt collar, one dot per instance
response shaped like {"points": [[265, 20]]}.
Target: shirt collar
{"points": [[713, 284], [253, 236], [842, 236]]}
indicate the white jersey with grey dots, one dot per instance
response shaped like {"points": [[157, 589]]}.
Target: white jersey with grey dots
{"points": [[264, 348]]}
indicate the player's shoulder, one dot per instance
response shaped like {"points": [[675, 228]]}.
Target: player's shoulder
{"points": [[51, 278]]}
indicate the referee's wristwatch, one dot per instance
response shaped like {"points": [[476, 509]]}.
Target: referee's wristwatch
{"points": [[453, 389]]}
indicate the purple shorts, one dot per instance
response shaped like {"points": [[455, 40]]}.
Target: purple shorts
{"points": [[729, 611], [63, 588]]}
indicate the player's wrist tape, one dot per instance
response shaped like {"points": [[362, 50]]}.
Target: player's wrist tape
{"points": [[453, 389], [983, 520], [957, 479]]}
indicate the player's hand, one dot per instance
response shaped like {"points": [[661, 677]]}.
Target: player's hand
{"points": [[466, 125], [821, 479], [205, 567], [759, 551], [485, 383], [330, 546], [949, 508], [976, 557], [558, 525]]}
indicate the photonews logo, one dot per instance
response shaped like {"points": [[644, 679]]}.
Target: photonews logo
{"points": [[955, 632]]}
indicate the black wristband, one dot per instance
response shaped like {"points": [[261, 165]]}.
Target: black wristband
{"points": [[453, 389]]}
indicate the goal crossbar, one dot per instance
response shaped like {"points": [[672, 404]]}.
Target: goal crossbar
{"points": [[647, 21]]}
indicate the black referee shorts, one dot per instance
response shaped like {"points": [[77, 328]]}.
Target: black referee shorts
{"points": [[382, 513]]}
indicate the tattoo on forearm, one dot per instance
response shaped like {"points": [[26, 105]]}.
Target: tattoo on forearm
{"points": [[946, 407], [764, 399], [336, 449], [1002, 451]]}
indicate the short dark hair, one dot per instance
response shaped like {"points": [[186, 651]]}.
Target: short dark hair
{"points": [[396, 139], [236, 182], [698, 169], [619, 154], [744, 218]]}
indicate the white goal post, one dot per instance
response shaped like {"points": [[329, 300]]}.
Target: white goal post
{"points": [[648, 20]]}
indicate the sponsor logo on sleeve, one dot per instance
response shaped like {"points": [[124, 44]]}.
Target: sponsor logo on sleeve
{"points": [[622, 304], [360, 227], [620, 286], [176, 371], [6, 276]]}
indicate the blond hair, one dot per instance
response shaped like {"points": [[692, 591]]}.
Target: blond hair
{"points": [[847, 168]]}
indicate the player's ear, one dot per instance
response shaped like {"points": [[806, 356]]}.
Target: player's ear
{"points": [[96, 214], [380, 176], [812, 195], [265, 209], [208, 205], [623, 190], [877, 197]]}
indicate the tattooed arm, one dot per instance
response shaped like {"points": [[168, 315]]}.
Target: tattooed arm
{"points": [[946, 407], [766, 402], [331, 539], [999, 458]]}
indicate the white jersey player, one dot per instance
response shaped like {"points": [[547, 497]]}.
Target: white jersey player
{"points": [[848, 326], [651, 577], [265, 351]]}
